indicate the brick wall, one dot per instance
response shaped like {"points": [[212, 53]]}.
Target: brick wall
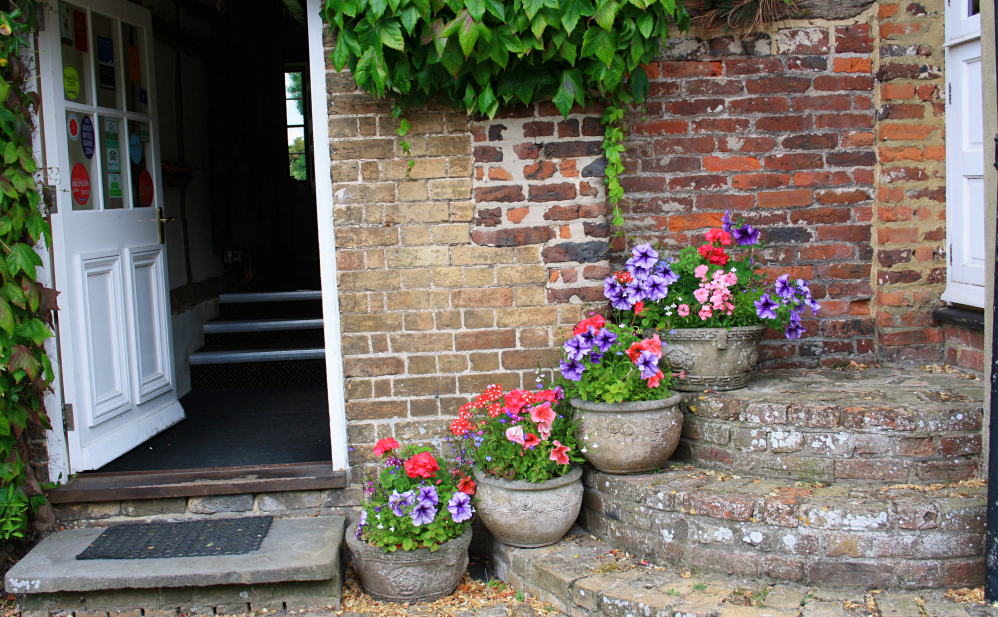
{"points": [[778, 129], [964, 347]]}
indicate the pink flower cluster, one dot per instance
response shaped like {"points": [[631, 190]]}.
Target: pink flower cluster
{"points": [[714, 294]]}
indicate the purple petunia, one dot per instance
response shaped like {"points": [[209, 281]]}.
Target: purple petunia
{"points": [[655, 287], [604, 340], [589, 337], [783, 287], [398, 502], [745, 235], [361, 523], [648, 363], [576, 348], [795, 329], [643, 257], [428, 493], [459, 507], [423, 513], [572, 370], [634, 292], [726, 221], [765, 308], [669, 276], [595, 357], [618, 298]]}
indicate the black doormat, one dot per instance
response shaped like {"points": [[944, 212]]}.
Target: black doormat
{"points": [[187, 539]]}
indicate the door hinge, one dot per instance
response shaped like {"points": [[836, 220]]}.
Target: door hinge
{"points": [[950, 96], [68, 421], [950, 254]]}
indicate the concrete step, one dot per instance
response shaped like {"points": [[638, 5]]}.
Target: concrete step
{"points": [[304, 304], [582, 576], [297, 567], [902, 537], [879, 426]]}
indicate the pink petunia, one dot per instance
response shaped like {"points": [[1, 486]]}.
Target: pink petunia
{"points": [[559, 453], [702, 294], [530, 440], [683, 310], [705, 312], [515, 434], [542, 413], [544, 428], [701, 272], [654, 380]]}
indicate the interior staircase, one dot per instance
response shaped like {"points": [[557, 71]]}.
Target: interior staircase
{"points": [[262, 339]]}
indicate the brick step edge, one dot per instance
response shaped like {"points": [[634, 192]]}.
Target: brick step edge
{"points": [[581, 576], [888, 538]]}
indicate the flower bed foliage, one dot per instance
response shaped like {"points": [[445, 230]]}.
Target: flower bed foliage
{"points": [[414, 503], [521, 435], [25, 305]]}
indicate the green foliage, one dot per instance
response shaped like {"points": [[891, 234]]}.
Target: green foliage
{"points": [[613, 377], [25, 305], [482, 54], [296, 152]]}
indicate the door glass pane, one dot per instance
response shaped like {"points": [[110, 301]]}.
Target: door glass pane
{"points": [[975, 7], [110, 149], [136, 72], [140, 178], [80, 137], [106, 60], [75, 53]]}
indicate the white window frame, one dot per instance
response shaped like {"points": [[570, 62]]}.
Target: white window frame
{"points": [[961, 27]]}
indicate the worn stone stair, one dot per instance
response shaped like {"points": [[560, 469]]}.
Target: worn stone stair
{"points": [[297, 567], [582, 576]]}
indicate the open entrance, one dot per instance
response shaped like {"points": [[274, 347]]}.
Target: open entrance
{"points": [[186, 243]]}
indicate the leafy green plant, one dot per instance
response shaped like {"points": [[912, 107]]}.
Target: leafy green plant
{"points": [[25, 305]]}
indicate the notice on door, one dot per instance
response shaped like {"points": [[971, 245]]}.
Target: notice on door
{"points": [[145, 189], [80, 30], [105, 63], [111, 149], [73, 127], [71, 81], [114, 185], [80, 183], [65, 24], [87, 136]]}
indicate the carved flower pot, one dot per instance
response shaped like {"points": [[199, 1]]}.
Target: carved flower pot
{"points": [[635, 437], [529, 514], [409, 576], [713, 358]]}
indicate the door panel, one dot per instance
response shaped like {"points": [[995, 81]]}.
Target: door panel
{"points": [[108, 260]]}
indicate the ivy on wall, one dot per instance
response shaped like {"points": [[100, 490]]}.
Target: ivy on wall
{"points": [[25, 305], [480, 55]]}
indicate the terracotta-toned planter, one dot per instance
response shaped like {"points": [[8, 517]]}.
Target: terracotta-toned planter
{"points": [[529, 514], [635, 437], [409, 576], [713, 358]]}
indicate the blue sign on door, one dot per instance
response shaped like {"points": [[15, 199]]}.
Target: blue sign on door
{"points": [[105, 50], [87, 136]]}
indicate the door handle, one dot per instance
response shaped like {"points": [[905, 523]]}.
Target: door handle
{"points": [[161, 222]]}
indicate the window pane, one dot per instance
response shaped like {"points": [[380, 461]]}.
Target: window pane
{"points": [[143, 190], [81, 133], [296, 153], [294, 113], [106, 60], [110, 147], [136, 88], [75, 53]]}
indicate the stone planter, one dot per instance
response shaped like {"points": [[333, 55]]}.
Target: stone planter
{"points": [[409, 576], [713, 358], [529, 514], [635, 437]]}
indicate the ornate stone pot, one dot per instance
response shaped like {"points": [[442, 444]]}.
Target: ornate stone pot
{"points": [[713, 358], [409, 576], [529, 514], [635, 437]]}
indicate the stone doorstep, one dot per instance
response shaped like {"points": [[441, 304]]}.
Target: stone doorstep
{"points": [[298, 565], [581, 576]]}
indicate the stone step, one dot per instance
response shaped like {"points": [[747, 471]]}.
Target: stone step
{"points": [[878, 425], [581, 576], [297, 567], [839, 534]]}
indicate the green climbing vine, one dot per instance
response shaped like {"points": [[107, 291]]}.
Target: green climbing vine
{"points": [[25, 305], [479, 55]]}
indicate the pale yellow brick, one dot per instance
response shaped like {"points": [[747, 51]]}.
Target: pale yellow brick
{"points": [[479, 318], [374, 214], [484, 361], [455, 188], [347, 237], [416, 213], [479, 277], [345, 171], [415, 235], [495, 297], [520, 275], [451, 234], [417, 146], [418, 321], [422, 365], [417, 278], [539, 316], [420, 256], [371, 323], [448, 145], [418, 300], [347, 215], [481, 255], [364, 192], [452, 363], [375, 258], [530, 296], [460, 166], [413, 191], [528, 254], [343, 127], [353, 303], [423, 168], [370, 280], [361, 149], [463, 211], [447, 277], [421, 124], [448, 320]]}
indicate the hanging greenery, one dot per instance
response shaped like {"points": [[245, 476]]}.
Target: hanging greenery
{"points": [[25, 305], [480, 55]]}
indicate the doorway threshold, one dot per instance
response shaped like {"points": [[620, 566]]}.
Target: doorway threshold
{"points": [[93, 487]]}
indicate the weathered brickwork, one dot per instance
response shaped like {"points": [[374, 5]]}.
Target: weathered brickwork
{"points": [[910, 212], [777, 128], [539, 181], [964, 347]]}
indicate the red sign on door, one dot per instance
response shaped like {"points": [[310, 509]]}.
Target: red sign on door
{"points": [[80, 183], [80, 30], [145, 189]]}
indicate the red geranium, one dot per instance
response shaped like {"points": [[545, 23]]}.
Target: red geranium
{"points": [[385, 445], [422, 465], [715, 254], [546, 395], [719, 235], [638, 307], [461, 426], [516, 399], [596, 322], [466, 486]]}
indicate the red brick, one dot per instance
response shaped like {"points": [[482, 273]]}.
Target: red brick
{"points": [[538, 129], [960, 445], [698, 183], [842, 197], [821, 215], [778, 85], [752, 66], [541, 170], [852, 65], [562, 213], [761, 181], [828, 102], [508, 193], [714, 87], [854, 39], [783, 123], [683, 145], [745, 144], [686, 222], [728, 506], [821, 178], [720, 125], [784, 199], [843, 82], [713, 201], [901, 131], [761, 104], [897, 235], [805, 141], [661, 127], [485, 339], [731, 163], [690, 69], [843, 121], [791, 162], [526, 151], [844, 233], [551, 192], [822, 252]]}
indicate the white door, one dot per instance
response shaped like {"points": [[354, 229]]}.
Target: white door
{"points": [[109, 258]]}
